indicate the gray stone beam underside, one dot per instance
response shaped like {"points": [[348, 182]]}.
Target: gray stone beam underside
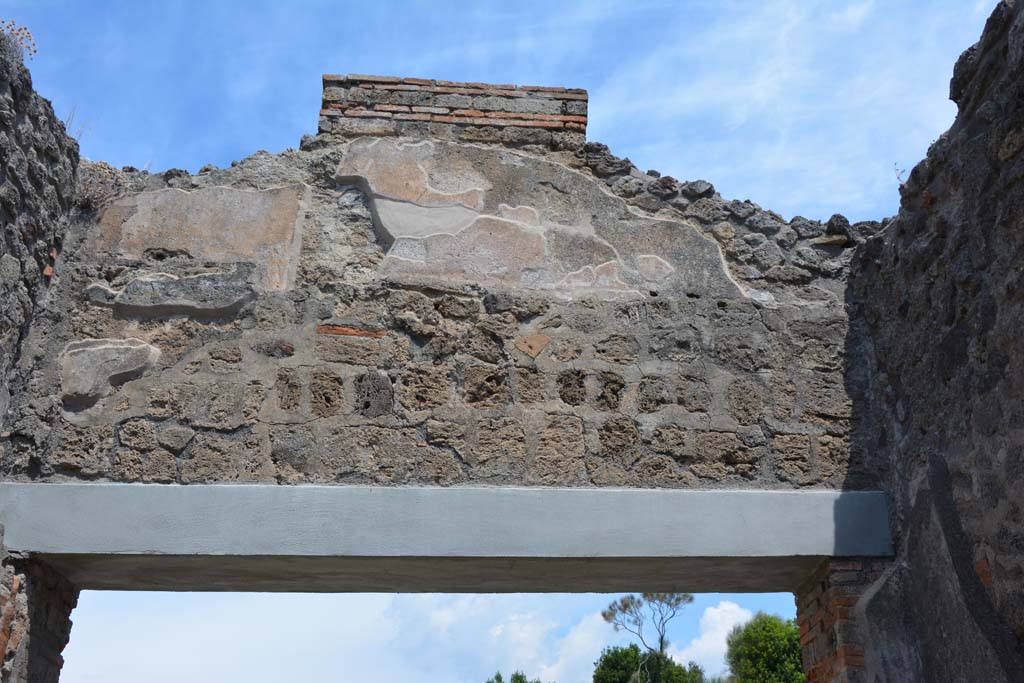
{"points": [[349, 538]]}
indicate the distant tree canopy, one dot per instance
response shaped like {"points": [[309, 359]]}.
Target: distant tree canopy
{"points": [[650, 611], [632, 665], [516, 677], [765, 650], [647, 616]]}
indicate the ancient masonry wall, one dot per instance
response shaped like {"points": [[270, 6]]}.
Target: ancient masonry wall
{"points": [[831, 641], [37, 180], [938, 308], [35, 624], [474, 301], [37, 174], [391, 310], [512, 114]]}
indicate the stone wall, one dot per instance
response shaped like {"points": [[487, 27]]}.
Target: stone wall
{"points": [[518, 115], [832, 645], [406, 301], [402, 309], [36, 182], [938, 306], [35, 624]]}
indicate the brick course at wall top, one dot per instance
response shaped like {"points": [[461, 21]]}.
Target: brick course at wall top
{"points": [[396, 100]]}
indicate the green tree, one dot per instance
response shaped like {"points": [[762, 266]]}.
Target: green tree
{"points": [[765, 650], [516, 677], [647, 616], [631, 665]]}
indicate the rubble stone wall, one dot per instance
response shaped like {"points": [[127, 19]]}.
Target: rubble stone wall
{"points": [[37, 171], [399, 310], [938, 308], [473, 300]]}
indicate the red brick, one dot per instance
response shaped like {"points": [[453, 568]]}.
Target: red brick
{"points": [[524, 117], [412, 117], [473, 84], [367, 113], [391, 107], [445, 90], [390, 86], [344, 331], [475, 121], [983, 571], [845, 565], [541, 88], [374, 79]]}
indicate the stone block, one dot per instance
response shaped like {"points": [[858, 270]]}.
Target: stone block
{"points": [[93, 369], [425, 386]]}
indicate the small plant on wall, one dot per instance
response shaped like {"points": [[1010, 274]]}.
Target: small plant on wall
{"points": [[20, 36]]}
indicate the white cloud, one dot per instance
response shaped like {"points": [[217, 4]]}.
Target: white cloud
{"points": [[578, 651], [800, 106], [708, 648], [853, 15], [265, 638]]}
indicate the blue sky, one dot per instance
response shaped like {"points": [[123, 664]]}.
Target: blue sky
{"points": [[806, 107], [174, 637]]}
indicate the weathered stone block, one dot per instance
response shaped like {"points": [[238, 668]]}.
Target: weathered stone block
{"points": [[725, 453], [559, 457], [86, 451], [92, 369], [450, 435], [348, 349], [288, 388], [745, 398], [676, 442], [374, 395], [609, 391], [572, 387], [326, 394], [217, 405], [618, 349], [486, 387], [137, 434], [618, 436], [174, 438], [500, 452], [294, 452], [793, 457], [425, 386]]}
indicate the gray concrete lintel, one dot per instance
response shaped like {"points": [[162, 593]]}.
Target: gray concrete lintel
{"points": [[347, 538]]}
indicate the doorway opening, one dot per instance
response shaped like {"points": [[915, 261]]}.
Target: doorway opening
{"points": [[169, 637]]}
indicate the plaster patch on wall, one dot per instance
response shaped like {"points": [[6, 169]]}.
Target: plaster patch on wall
{"points": [[477, 214], [91, 369], [217, 224]]}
